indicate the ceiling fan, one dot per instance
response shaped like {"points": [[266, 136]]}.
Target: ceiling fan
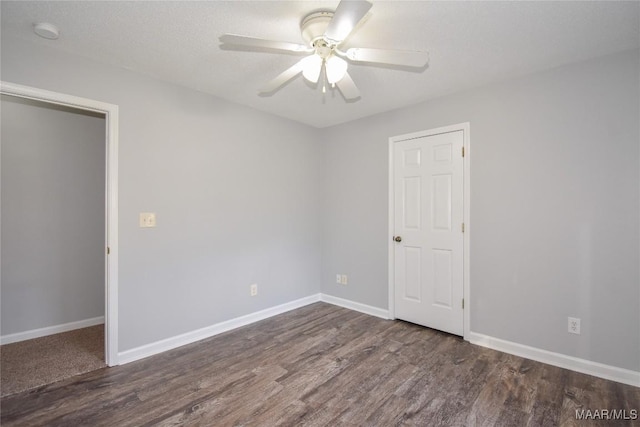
{"points": [[325, 31]]}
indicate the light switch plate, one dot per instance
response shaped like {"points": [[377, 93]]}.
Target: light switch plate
{"points": [[147, 219]]}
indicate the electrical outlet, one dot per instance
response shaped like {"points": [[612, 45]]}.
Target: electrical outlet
{"points": [[254, 290], [344, 279], [574, 325], [338, 278]]}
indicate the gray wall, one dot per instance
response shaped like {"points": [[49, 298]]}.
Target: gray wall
{"points": [[242, 197], [52, 179], [554, 206], [236, 193]]}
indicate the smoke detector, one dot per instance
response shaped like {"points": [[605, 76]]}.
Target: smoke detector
{"points": [[46, 30]]}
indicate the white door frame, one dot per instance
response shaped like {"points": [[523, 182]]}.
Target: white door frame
{"points": [[111, 191], [464, 127]]}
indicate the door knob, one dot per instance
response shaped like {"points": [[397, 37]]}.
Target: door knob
{"points": [[398, 239]]}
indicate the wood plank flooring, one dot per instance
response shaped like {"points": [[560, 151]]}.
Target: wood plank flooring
{"points": [[323, 365]]}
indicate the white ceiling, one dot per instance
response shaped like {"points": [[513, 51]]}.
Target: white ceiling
{"points": [[470, 44]]}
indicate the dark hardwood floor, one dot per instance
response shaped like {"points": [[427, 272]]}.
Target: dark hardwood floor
{"points": [[323, 365]]}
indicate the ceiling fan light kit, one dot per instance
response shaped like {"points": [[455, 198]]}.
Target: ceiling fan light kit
{"points": [[324, 31], [336, 68], [311, 68]]}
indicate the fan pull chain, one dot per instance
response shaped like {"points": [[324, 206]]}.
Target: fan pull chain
{"points": [[324, 76]]}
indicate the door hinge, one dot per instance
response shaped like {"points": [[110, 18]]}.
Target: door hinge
{"points": [[462, 151], [462, 302], [108, 250], [463, 227]]}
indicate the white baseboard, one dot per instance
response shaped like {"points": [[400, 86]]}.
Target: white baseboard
{"points": [[356, 306], [588, 367], [209, 331], [50, 330]]}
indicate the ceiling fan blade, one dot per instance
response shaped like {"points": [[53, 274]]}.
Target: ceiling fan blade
{"points": [[348, 87], [393, 57], [346, 17], [238, 40], [283, 77]]}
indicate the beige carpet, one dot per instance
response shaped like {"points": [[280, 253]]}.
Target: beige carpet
{"points": [[33, 363]]}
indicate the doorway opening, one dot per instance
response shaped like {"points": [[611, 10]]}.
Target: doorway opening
{"points": [[104, 205]]}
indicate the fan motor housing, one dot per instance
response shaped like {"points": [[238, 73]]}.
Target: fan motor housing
{"points": [[314, 25]]}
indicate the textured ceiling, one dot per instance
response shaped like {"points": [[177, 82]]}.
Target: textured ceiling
{"points": [[470, 44]]}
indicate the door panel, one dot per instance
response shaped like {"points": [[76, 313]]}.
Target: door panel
{"points": [[442, 278], [413, 278], [441, 202], [428, 212], [411, 208]]}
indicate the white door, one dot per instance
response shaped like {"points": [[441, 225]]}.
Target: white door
{"points": [[428, 233]]}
